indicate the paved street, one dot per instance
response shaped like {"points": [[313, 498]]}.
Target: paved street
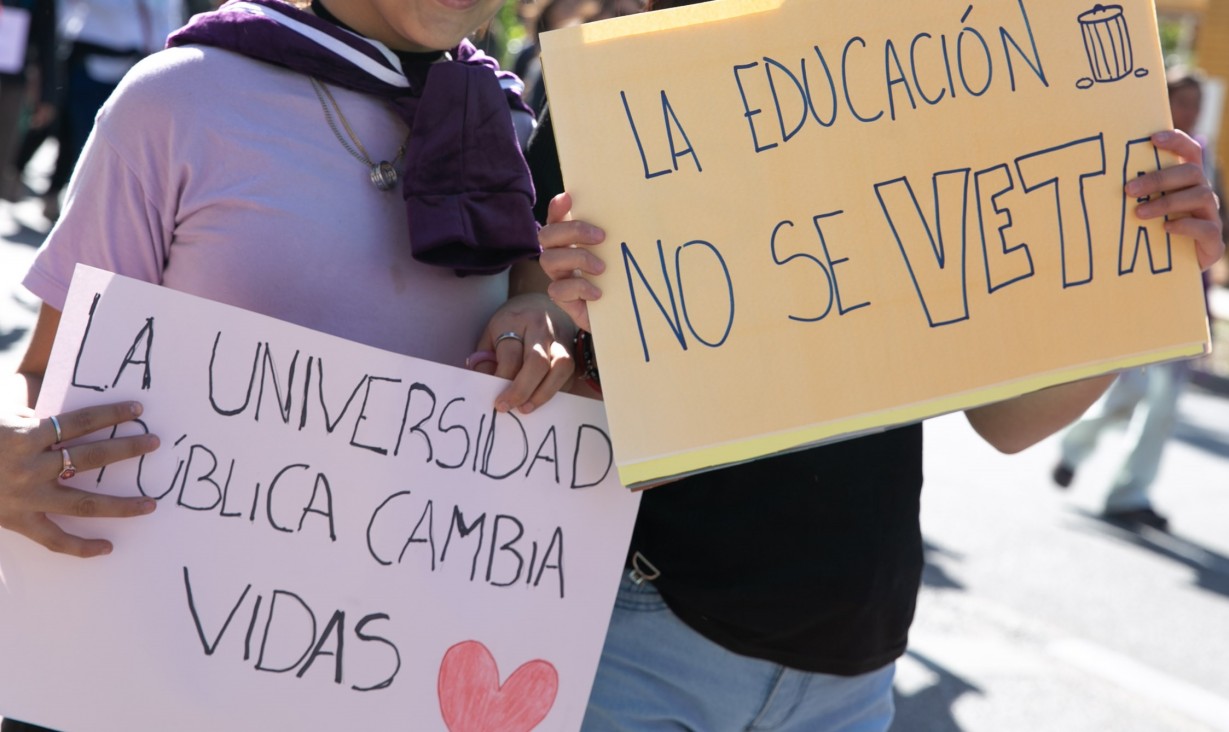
{"points": [[1034, 615], [22, 228]]}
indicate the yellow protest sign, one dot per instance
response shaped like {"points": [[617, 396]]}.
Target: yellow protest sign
{"points": [[828, 216]]}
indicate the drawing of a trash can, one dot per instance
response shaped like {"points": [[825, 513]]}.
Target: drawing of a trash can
{"points": [[1107, 41]]}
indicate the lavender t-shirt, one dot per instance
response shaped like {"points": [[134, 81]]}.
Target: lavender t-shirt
{"points": [[217, 175]]}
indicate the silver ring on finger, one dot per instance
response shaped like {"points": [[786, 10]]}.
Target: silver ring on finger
{"points": [[510, 335], [59, 434], [68, 470]]}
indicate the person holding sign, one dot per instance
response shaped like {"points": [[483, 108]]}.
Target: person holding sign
{"points": [[779, 592], [799, 570], [352, 167]]}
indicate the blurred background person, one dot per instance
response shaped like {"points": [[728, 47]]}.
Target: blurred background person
{"points": [[103, 40], [527, 12], [548, 15], [28, 80], [1146, 399]]}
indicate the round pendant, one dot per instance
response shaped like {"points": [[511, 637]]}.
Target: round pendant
{"points": [[384, 175]]}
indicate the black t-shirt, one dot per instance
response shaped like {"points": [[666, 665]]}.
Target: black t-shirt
{"points": [[811, 559]]}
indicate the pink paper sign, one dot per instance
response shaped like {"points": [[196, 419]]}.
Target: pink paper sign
{"points": [[345, 538]]}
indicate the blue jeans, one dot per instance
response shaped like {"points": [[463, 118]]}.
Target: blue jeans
{"points": [[658, 674]]}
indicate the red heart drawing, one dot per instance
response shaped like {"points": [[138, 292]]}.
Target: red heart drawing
{"points": [[473, 700]]}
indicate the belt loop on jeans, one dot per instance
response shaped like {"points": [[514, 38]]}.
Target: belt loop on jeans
{"points": [[642, 569]]}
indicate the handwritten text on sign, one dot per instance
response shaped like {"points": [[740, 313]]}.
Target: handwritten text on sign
{"points": [[831, 216], [346, 538]]}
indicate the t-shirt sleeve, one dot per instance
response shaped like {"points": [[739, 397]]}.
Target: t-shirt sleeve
{"points": [[110, 220]]}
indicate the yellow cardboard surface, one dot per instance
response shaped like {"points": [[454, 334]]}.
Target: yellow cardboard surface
{"points": [[829, 216]]}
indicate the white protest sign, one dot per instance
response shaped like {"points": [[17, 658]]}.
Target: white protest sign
{"points": [[346, 538]]}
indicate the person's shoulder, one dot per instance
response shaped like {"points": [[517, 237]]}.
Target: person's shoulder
{"points": [[189, 70], [186, 85]]}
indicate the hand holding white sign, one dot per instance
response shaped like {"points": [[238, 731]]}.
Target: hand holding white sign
{"points": [[33, 458]]}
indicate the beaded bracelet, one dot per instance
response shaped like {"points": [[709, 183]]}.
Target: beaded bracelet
{"points": [[586, 360]]}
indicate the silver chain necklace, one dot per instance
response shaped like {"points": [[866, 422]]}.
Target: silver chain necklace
{"points": [[384, 173]]}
